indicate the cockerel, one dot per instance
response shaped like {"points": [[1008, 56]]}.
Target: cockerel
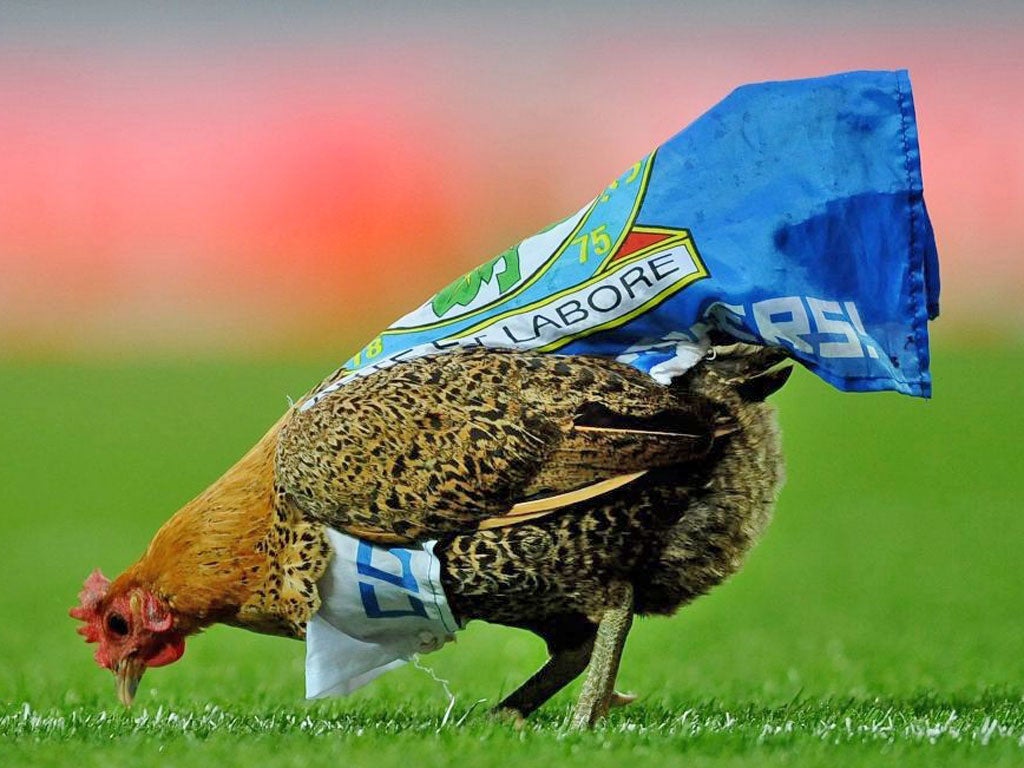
{"points": [[565, 494], [562, 493]]}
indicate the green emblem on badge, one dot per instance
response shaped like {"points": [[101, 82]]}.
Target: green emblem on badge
{"points": [[464, 290]]}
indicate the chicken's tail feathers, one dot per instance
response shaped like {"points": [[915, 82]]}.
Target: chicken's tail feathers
{"points": [[755, 372]]}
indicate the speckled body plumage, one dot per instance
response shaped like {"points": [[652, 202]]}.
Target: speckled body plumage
{"points": [[674, 534], [435, 447], [437, 444]]}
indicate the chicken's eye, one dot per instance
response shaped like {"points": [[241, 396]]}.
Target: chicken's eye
{"points": [[117, 624]]}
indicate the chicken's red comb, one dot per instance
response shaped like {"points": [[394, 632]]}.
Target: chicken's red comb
{"points": [[87, 609]]}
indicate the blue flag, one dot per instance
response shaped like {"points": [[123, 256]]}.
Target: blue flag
{"points": [[791, 215]]}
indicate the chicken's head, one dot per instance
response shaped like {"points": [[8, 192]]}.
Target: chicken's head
{"points": [[134, 628]]}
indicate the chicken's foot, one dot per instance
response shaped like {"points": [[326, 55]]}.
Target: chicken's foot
{"points": [[564, 665], [599, 686]]}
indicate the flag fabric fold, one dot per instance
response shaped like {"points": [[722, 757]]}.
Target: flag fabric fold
{"points": [[791, 214]]}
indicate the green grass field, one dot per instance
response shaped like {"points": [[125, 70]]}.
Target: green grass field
{"points": [[879, 621]]}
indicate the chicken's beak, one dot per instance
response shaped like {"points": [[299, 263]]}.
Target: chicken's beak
{"points": [[128, 672]]}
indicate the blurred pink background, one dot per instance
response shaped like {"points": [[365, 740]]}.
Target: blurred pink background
{"points": [[210, 178]]}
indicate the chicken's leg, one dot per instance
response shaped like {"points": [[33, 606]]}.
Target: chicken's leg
{"points": [[599, 687], [570, 641]]}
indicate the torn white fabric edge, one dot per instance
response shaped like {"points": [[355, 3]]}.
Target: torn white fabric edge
{"points": [[378, 607], [687, 353]]}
